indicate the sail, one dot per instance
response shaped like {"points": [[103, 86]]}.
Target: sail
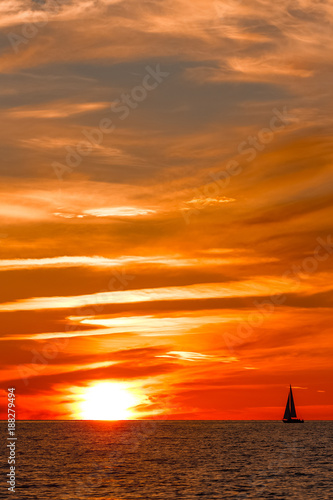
{"points": [[287, 410], [290, 411], [292, 405]]}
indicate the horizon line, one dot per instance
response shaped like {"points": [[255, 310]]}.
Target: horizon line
{"points": [[162, 420]]}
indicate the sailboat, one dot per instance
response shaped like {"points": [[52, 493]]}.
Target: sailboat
{"points": [[290, 416]]}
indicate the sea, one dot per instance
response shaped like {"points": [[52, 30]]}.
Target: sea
{"points": [[168, 460]]}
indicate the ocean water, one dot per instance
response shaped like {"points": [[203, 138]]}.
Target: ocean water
{"points": [[170, 460]]}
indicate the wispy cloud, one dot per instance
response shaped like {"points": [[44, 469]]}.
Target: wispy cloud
{"points": [[266, 287], [149, 326], [196, 356], [55, 110], [119, 212], [207, 202], [138, 260]]}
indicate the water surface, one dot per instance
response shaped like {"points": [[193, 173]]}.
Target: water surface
{"points": [[171, 459]]}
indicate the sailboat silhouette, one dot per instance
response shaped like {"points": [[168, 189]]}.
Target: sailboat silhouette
{"points": [[290, 416]]}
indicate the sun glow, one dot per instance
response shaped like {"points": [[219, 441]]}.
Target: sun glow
{"points": [[107, 401]]}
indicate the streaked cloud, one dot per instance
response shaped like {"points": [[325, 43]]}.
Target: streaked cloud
{"points": [[119, 212], [185, 356], [267, 286], [196, 356], [56, 110], [152, 260], [83, 261], [149, 326], [204, 202]]}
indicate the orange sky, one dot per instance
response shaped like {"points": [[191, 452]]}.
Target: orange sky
{"points": [[166, 206]]}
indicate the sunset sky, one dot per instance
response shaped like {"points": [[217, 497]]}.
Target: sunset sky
{"points": [[166, 207]]}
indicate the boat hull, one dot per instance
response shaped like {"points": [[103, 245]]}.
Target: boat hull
{"points": [[293, 421]]}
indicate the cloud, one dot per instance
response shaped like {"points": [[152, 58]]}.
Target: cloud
{"points": [[16, 212], [149, 326], [295, 208], [83, 261], [39, 384], [185, 356], [138, 261], [55, 110], [119, 212], [267, 286], [196, 356], [29, 352], [207, 202]]}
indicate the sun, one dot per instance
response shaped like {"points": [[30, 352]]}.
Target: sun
{"points": [[107, 401]]}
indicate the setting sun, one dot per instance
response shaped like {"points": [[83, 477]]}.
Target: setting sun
{"points": [[107, 401]]}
